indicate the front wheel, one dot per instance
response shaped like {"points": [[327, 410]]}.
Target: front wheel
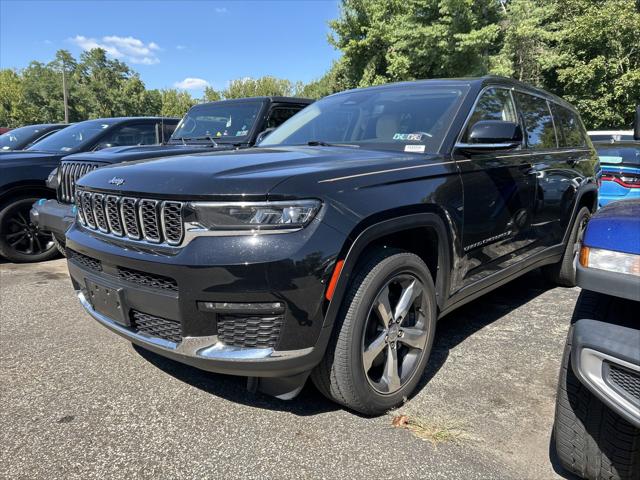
{"points": [[383, 336], [20, 240], [563, 273]]}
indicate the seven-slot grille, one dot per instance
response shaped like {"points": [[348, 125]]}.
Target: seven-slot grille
{"points": [[138, 219], [68, 175]]}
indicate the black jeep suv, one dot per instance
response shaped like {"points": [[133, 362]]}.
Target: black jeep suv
{"points": [[223, 125], [333, 249], [24, 174]]}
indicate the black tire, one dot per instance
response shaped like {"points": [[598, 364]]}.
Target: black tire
{"points": [[591, 440], [563, 273], [20, 240], [341, 375], [60, 245]]}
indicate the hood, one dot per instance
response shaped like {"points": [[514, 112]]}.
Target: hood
{"points": [[140, 152], [24, 157], [251, 173], [615, 227]]}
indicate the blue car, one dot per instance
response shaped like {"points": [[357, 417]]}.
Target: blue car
{"points": [[620, 162], [597, 423]]}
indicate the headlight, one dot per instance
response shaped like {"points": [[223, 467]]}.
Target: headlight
{"points": [[610, 260], [52, 180], [251, 217]]}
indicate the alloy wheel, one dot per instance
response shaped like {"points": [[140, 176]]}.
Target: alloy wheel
{"points": [[23, 236], [395, 334]]}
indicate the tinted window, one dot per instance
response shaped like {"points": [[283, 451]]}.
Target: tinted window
{"points": [[219, 120], [280, 115], [537, 121], [570, 133], [410, 119], [494, 104], [619, 154], [139, 134], [74, 136], [20, 137], [595, 137]]}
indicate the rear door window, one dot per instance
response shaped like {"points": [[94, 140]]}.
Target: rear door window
{"points": [[279, 115], [570, 131], [138, 134], [538, 121]]}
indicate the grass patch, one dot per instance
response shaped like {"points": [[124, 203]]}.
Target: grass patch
{"points": [[436, 431]]}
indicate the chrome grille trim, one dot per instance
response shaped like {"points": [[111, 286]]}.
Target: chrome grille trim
{"points": [[144, 220], [97, 202], [171, 219], [148, 214], [68, 174], [128, 209], [112, 210]]}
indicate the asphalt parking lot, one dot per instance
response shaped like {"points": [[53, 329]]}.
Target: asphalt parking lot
{"points": [[80, 402]]}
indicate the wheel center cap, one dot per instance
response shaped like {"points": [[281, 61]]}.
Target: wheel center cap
{"points": [[394, 330]]}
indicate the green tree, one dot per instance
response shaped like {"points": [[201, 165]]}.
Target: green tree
{"points": [[12, 103], [175, 103], [598, 60], [258, 87], [392, 40], [211, 95]]}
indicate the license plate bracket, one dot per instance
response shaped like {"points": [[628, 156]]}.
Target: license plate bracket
{"points": [[108, 301]]}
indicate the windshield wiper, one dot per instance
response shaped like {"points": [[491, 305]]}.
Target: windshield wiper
{"points": [[320, 143], [207, 137]]}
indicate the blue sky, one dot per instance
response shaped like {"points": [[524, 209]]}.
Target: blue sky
{"points": [[177, 43]]}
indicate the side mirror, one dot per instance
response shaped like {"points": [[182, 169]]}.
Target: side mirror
{"points": [[636, 125], [489, 135], [264, 134]]}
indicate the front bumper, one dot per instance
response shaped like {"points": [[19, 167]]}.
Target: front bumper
{"points": [[606, 359], [602, 281], [290, 269], [53, 216]]}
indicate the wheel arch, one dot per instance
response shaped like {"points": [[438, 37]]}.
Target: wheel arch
{"points": [[35, 188], [587, 196], [399, 232]]}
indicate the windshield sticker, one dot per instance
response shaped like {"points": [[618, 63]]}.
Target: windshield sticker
{"points": [[414, 148], [218, 134], [241, 133], [411, 137]]}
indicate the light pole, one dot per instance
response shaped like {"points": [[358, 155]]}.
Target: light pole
{"points": [[64, 93]]}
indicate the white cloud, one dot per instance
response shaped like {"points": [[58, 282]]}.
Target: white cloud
{"points": [[221, 10], [181, 47], [47, 42], [191, 83], [129, 48]]}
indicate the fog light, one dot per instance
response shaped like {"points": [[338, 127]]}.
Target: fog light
{"points": [[228, 307]]}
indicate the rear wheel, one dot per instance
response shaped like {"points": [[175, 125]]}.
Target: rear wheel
{"points": [[20, 240], [382, 338], [563, 273]]}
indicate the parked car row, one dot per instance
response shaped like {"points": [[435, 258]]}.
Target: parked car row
{"points": [[27, 175], [331, 250]]}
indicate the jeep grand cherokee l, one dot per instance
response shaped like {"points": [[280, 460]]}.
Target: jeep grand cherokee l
{"points": [[223, 125], [332, 250]]}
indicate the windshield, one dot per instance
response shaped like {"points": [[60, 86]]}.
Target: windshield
{"points": [[73, 137], [409, 119], [20, 137], [219, 121], [619, 154]]}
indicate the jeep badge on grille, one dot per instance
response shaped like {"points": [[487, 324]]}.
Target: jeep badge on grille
{"points": [[116, 181]]}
